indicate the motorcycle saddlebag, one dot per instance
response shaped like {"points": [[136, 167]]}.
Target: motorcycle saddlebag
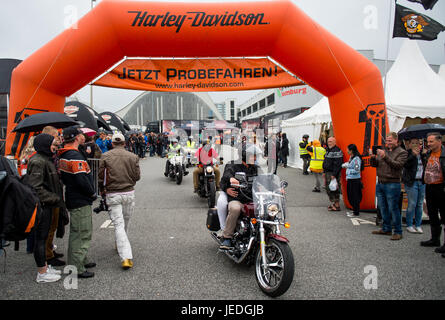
{"points": [[213, 220]]}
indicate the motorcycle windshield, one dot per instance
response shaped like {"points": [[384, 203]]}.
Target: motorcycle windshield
{"points": [[267, 191]]}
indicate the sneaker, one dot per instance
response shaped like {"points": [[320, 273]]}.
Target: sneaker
{"points": [[56, 262], [350, 214], [127, 264], [47, 277], [396, 237], [50, 269], [419, 230], [316, 190], [226, 244], [411, 230]]}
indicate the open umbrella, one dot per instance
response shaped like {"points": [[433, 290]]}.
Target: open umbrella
{"points": [[85, 116], [89, 132], [115, 121], [420, 131], [38, 121]]}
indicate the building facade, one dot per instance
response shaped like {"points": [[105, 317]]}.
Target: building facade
{"points": [[156, 106]]}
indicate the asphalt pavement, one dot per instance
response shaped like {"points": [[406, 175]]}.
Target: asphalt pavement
{"points": [[175, 258]]}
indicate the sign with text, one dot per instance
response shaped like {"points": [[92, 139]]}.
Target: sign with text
{"points": [[189, 75]]}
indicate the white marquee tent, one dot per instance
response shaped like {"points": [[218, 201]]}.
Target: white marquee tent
{"points": [[413, 90]]}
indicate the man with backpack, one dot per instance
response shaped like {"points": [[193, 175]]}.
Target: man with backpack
{"points": [[79, 196], [43, 177]]}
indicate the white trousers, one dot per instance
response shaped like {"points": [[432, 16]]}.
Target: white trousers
{"points": [[121, 208], [221, 206]]}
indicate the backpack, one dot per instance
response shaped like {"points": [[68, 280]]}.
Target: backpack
{"points": [[20, 208]]}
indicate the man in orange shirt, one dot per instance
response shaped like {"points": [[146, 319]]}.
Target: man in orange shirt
{"points": [[435, 193]]}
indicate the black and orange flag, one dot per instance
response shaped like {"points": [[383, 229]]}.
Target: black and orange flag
{"points": [[413, 25], [427, 4]]}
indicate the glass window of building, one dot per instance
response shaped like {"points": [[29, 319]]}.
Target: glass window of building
{"points": [[255, 107], [271, 99], [262, 103]]}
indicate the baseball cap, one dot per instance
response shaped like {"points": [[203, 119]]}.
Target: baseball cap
{"points": [[118, 137], [70, 133]]}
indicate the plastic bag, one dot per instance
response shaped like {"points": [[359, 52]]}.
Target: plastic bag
{"points": [[333, 186]]}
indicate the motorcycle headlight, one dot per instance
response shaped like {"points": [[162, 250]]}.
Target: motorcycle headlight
{"points": [[272, 210], [209, 169]]}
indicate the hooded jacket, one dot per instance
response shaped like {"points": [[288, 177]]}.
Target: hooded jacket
{"points": [[77, 178], [42, 173]]}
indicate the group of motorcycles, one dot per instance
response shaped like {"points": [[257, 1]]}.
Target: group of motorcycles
{"points": [[258, 240], [184, 158]]}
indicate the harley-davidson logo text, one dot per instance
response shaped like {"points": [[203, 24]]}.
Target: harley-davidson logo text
{"points": [[196, 19]]}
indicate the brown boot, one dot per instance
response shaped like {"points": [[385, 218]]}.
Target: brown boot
{"points": [[381, 232], [396, 237]]}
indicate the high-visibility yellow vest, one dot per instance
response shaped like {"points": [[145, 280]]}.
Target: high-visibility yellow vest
{"points": [[303, 151], [317, 159], [190, 145], [173, 150]]}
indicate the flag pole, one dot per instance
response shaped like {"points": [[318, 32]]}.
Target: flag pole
{"points": [[387, 44]]}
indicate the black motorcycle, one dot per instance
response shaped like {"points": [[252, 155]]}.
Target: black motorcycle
{"points": [[207, 184], [176, 168], [258, 239]]}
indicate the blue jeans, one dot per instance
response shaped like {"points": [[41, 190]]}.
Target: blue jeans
{"points": [[416, 194], [388, 196]]}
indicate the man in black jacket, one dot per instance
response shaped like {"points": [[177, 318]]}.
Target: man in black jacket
{"points": [[332, 170], [79, 196], [236, 199]]}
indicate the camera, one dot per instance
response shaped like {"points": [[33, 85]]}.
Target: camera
{"points": [[103, 206], [375, 148]]}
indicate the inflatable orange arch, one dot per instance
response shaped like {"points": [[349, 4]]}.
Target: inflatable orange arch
{"points": [[278, 29]]}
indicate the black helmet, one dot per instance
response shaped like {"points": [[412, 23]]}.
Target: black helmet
{"points": [[306, 136]]}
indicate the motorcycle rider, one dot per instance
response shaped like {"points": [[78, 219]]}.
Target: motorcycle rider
{"points": [[173, 149], [236, 199], [205, 155]]}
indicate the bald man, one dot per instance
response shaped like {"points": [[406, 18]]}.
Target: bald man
{"points": [[332, 170]]}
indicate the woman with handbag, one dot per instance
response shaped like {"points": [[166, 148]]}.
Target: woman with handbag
{"points": [[353, 177]]}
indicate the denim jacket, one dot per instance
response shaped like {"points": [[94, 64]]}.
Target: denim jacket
{"points": [[353, 168]]}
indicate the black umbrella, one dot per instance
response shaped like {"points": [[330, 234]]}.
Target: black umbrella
{"points": [[85, 116], [115, 121], [420, 131], [38, 121]]}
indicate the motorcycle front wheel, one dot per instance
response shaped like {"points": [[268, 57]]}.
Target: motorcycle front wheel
{"points": [[211, 199], [275, 278], [179, 174]]}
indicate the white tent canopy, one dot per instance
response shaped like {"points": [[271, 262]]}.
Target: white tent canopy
{"points": [[413, 90]]}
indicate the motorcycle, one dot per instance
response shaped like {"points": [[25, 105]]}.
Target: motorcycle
{"points": [[257, 239], [176, 169], [207, 184], [189, 156]]}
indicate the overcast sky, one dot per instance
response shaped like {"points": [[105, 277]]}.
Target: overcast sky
{"points": [[27, 25]]}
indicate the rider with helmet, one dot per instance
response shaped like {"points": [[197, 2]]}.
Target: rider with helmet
{"points": [[235, 198], [173, 149], [205, 155]]}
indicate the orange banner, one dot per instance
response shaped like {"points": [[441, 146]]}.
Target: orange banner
{"points": [[197, 75]]}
